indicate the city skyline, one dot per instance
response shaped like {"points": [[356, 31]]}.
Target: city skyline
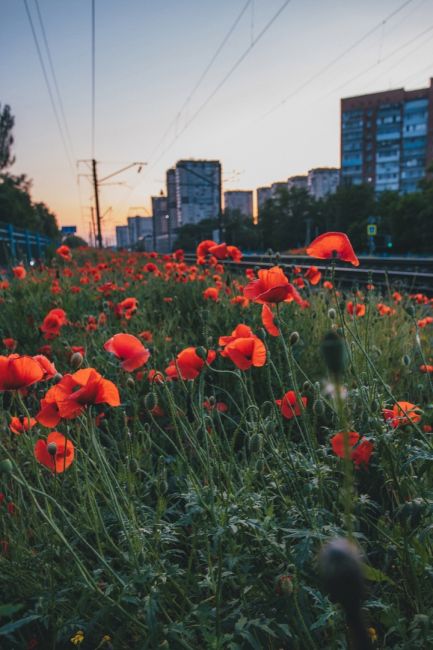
{"points": [[140, 88]]}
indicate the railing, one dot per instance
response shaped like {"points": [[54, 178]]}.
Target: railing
{"points": [[19, 242]]}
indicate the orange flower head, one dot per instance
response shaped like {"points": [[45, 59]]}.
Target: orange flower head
{"points": [[19, 272], [289, 405], [402, 413], [272, 286], [246, 352], [64, 252], [56, 452], [360, 454], [20, 424], [357, 309], [129, 350], [268, 321], [188, 364], [19, 372], [333, 244], [313, 275]]}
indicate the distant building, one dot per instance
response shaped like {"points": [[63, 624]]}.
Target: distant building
{"points": [[299, 182], [277, 187], [171, 198], [198, 190], [387, 138], [139, 228], [239, 200], [323, 181], [160, 215], [122, 236], [263, 195]]}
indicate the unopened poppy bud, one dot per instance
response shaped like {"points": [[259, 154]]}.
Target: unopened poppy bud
{"points": [[307, 386], [255, 443], [410, 309], [201, 352], [285, 585], [150, 401], [270, 251], [76, 360], [260, 465], [52, 448], [334, 353], [341, 568], [130, 382], [294, 338], [212, 400], [332, 314], [405, 360], [318, 407], [57, 377], [6, 466], [277, 255]]}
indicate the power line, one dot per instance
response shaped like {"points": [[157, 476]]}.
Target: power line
{"points": [[226, 78], [203, 75], [336, 59], [47, 82]]}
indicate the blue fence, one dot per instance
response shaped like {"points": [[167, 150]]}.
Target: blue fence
{"points": [[19, 243]]}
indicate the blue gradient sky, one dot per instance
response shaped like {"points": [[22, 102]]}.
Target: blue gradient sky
{"points": [[149, 56]]}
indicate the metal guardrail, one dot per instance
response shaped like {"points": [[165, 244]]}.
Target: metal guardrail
{"points": [[21, 242], [410, 280]]}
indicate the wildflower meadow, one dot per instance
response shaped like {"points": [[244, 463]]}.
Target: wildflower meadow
{"points": [[194, 456]]}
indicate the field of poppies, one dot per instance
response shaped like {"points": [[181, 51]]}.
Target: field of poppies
{"points": [[197, 458]]}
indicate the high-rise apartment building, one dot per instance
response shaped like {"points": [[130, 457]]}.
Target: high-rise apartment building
{"points": [[198, 190], [263, 195], [160, 215], [122, 237], [299, 182], [171, 198], [323, 181], [139, 228], [387, 138], [240, 201]]}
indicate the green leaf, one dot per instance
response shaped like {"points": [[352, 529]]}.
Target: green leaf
{"points": [[8, 610], [375, 575], [15, 625]]}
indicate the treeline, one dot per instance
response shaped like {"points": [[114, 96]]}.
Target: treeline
{"points": [[293, 218], [16, 205]]}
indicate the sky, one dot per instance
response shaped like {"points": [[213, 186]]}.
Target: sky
{"points": [[254, 83]]}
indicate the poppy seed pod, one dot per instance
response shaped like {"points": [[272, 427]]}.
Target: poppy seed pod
{"points": [[255, 443], [341, 569], [6, 466], [130, 382], [294, 338], [201, 352], [334, 353], [76, 360], [332, 314], [52, 448]]}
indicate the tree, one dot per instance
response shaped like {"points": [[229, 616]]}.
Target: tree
{"points": [[7, 122]]}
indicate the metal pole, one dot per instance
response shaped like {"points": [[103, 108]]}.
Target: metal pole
{"points": [[98, 213], [92, 211]]}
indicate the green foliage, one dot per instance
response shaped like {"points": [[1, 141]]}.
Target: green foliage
{"points": [[7, 121]]}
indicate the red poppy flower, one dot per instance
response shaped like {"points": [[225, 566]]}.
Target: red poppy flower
{"points": [[19, 372], [313, 275], [69, 398], [10, 344], [127, 308], [129, 349], [64, 252], [47, 366], [217, 406], [268, 321], [146, 336], [56, 452], [359, 454], [402, 413], [333, 244], [204, 247], [211, 293], [385, 310], [189, 364], [19, 272], [241, 331], [246, 352], [426, 368], [289, 405], [53, 322], [234, 253], [357, 309], [219, 251], [19, 425], [271, 286]]}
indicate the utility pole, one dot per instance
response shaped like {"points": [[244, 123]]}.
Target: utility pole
{"points": [[98, 214]]}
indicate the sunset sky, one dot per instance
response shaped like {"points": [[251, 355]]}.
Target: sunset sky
{"points": [[149, 58]]}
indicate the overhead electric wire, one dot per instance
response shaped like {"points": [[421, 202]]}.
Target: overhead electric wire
{"points": [[93, 82], [226, 77], [203, 75], [47, 82], [340, 56]]}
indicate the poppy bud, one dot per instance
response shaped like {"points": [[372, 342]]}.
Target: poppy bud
{"points": [[57, 377], [285, 585], [405, 360], [410, 309], [270, 252], [307, 386], [341, 568], [52, 448], [277, 255], [201, 352], [212, 400], [6, 466], [76, 360], [150, 401], [260, 465], [318, 407], [294, 338], [130, 382], [255, 443], [332, 314], [334, 353]]}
